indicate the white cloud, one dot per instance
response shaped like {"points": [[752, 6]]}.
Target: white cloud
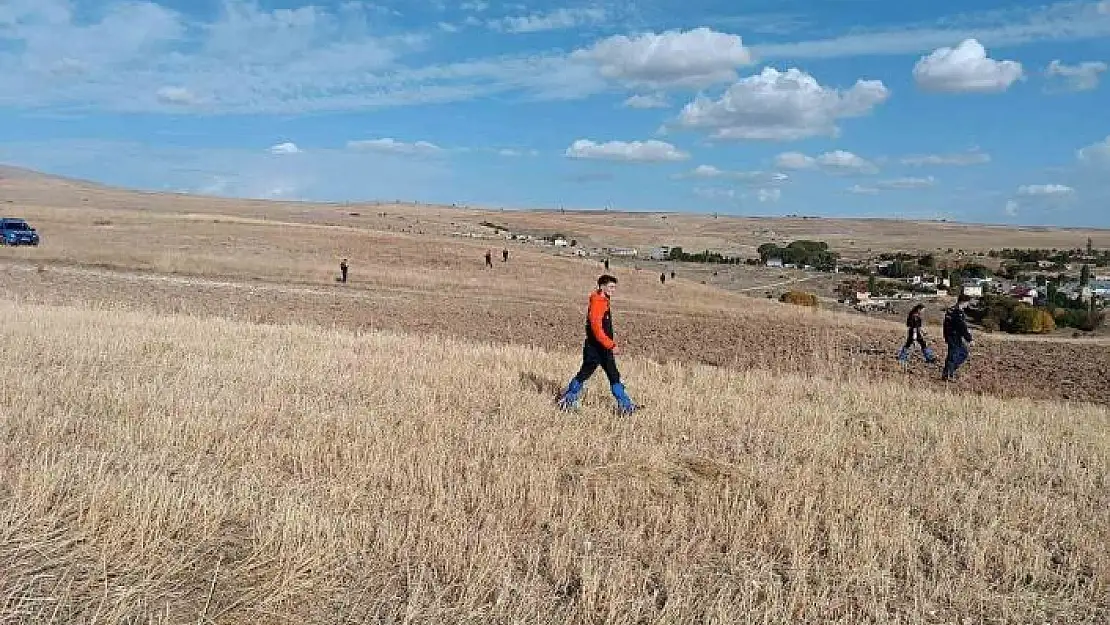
{"points": [[780, 106], [1067, 20], [845, 162], [511, 152], [285, 148], [558, 19], [1011, 208], [650, 151], [1096, 154], [748, 177], [908, 182], [707, 171], [862, 190], [965, 69], [971, 157], [1081, 77], [893, 185], [695, 58], [389, 145], [474, 7], [769, 195], [177, 96], [712, 193], [837, 161], [652, 101], [448, 28], [1045, 190], [795, 160], [763, 195]]}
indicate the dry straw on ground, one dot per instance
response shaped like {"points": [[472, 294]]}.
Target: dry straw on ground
{"points": [[160, 469]]}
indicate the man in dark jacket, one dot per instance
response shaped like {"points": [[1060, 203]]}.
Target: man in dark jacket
{"points": [[599, 350], [957, 336]]}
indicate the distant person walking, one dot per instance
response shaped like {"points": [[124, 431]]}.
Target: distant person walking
{"points": [[915, 335], [504, 256], [662, 278], [343, 270], [957, 337], [599, 350], [606, 264], [489, 259], [672, 275]]}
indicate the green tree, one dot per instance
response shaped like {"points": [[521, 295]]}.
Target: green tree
{"points": [[1085, 276], [872, 284]]}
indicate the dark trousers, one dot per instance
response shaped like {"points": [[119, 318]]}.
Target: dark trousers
{"points": [[915, 335], [344, 272], [957, 355], [594, 356]]}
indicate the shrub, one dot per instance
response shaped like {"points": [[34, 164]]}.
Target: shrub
{"points": [[1085, 320], [799, 298], [991, 324], [1029, 320]]}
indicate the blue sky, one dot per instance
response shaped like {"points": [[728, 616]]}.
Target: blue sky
{"points": [[983, 111]]}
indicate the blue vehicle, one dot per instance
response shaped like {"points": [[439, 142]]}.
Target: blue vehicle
{"points": [[17, 232]]}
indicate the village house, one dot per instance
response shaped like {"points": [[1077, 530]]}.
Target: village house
{"points": [[1025, 294]]}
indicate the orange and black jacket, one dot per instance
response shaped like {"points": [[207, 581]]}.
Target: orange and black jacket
{"points": [[599, 321]]}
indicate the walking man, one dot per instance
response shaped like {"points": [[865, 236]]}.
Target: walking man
{"points": [[343, 270], [662, 278], [599, 350], [489, 259], [504, 256], [957, 336], [915, 335], [606, 264]]}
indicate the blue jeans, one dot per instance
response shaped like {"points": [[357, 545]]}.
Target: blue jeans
{"points": [[957, 355]]}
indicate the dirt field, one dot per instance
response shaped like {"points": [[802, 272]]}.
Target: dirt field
{"points": [[277, 263]]}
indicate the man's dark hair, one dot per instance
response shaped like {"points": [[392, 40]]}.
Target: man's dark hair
{"points": [[605, 279]]}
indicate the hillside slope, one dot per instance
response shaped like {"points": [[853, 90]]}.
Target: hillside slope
{"points": [[173, 469]]}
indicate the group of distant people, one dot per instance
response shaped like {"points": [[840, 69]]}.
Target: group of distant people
{"points": [[957, 337], [489, 258]]}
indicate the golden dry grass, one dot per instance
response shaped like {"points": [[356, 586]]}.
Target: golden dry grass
{"points": [[171, 469]]}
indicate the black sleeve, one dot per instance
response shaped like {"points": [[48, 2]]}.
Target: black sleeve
{"points": [[963, 329]]}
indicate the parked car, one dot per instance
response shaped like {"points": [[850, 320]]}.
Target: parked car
{"points": [[17, 232]]}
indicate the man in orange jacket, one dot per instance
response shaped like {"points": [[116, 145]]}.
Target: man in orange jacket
{"points": [[599, 350]]}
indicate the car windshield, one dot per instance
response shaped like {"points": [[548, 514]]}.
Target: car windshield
{"points": [[16, 225]]}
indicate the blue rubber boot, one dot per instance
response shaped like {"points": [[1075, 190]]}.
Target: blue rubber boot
{"points": [[569, 399], [624, 403], [930, 357], [903, 355]]}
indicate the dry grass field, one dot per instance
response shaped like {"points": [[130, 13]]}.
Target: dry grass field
{"points": [[199, 425], [170, 469]]}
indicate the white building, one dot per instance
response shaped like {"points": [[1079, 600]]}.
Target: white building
{"points": [[973, 290], [775, 262], [661, 253]]}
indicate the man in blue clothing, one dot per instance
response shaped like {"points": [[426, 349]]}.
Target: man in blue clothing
{"points": [[957, 336]]}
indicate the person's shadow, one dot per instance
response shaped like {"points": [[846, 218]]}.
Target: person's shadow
{"points": [[540, 384]]}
